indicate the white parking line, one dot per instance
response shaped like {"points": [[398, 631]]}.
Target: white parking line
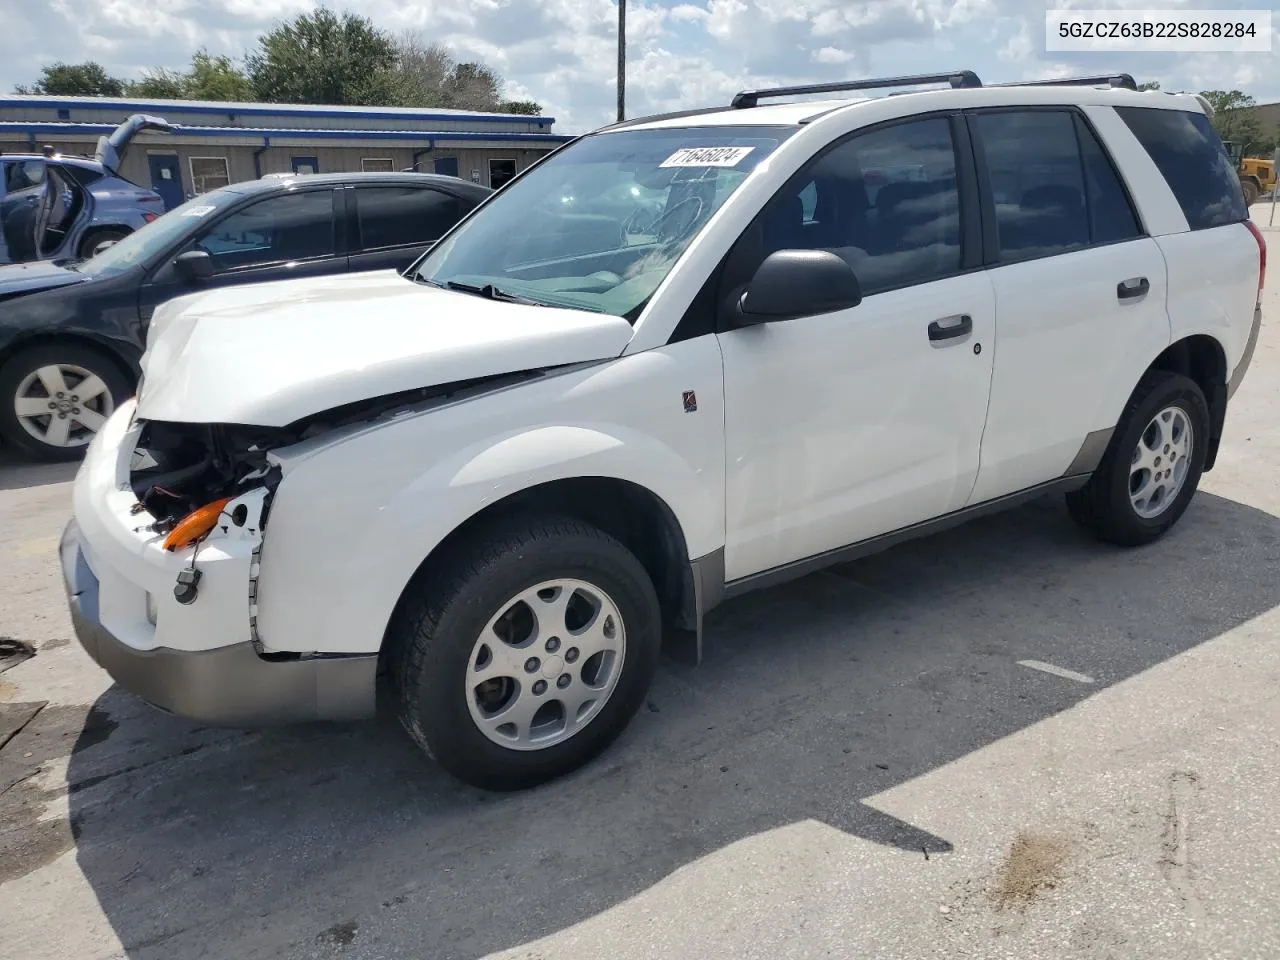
{"points": [[1056, 671]]}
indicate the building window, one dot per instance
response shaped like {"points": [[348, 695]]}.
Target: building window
{"points": [[64, 113], [500, 171], [304, 165], [377, 165], [208, 173]]}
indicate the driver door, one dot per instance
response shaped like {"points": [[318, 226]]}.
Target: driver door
{"points": [[847, 425]]}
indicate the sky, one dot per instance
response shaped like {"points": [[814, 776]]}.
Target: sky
{"points": [[681, 53]]}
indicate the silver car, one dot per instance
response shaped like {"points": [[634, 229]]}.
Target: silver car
{"points": [[57, 207]]}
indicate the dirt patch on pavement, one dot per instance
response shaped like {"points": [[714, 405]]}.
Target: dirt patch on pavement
{"points": [[1034, 864]]}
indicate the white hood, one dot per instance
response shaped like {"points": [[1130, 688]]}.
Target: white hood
{"points": [[269, 354]]}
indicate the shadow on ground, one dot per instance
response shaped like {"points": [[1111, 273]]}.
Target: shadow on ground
{"points": [[813, 696]]}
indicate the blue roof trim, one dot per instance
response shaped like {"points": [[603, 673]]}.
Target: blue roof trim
{"points": [[263, 110], [24, 127]]}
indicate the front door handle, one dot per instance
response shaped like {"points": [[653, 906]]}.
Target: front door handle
{"points": [[948, 328], [1132, 288]]}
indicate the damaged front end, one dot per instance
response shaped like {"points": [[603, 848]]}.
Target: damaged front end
{"points": [[180, 469]]}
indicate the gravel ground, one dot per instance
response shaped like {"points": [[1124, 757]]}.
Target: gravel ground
{"points": [[1003, 741]]}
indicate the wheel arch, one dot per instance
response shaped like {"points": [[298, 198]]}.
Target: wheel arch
{"points": [[628, 511], [1202, 358]]}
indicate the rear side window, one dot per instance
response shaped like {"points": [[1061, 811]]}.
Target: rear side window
{"points": [[404, 216], [82, 175], [1190, 155]]}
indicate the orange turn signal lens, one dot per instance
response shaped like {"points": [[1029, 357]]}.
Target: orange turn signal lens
{"points": [[195, 525]]}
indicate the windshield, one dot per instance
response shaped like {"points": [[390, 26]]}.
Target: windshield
{"points": [[598, 225], [157, 236]]}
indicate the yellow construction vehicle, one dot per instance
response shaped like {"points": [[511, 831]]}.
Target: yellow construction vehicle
{"points": [[1257, 174]]}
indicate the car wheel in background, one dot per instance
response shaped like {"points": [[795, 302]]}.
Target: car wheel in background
{"points": [[54, 397], [96, 241]]}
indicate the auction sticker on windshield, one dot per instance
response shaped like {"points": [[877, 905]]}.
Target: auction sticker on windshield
{"points": [[707, 157], [199, 211]]}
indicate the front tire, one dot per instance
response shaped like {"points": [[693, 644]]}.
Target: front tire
{"points": [[54, 397], [1251, 192], [523, 654], [1152, 466]]}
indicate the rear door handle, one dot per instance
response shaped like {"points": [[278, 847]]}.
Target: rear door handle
{"points": [[948, 328], [1133, 287]]}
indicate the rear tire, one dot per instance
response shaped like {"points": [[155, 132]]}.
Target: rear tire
{"points": [[1152, 466], [524, 653], [1251, 192], [32, 415], [92, 241]]}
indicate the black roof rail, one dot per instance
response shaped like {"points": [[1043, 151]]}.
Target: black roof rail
{"points": [[957, 78], [1124, 80]]}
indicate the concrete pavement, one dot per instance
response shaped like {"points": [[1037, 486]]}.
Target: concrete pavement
{"points": [[1003, 741]]}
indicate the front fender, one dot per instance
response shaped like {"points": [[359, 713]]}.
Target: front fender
{"points": [[351, 525]]}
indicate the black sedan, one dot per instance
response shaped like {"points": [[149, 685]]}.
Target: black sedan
{"points": [[72, 333]]}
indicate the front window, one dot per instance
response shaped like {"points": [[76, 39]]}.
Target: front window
{"points": [[600, 224], [157, 236]]}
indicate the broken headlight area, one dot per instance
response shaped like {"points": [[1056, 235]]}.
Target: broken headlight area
{"points": [[179, 468]]}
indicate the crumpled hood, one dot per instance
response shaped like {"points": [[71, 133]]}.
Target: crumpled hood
{"points": [[24, 278], [270, 354]]}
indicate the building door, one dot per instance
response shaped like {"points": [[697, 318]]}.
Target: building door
{"points": [[166, 178], [305, 165], [447, 166]]}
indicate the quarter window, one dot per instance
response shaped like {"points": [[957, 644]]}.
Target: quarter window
{"points": [[1190, 154], [404, 216], [281, 229], [885, 201]]}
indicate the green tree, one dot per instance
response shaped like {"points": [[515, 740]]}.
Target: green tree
{"points": [[1233, 116], [527, 107], [160, 84], [1149, 85], [217, 78], [87, 79], [427, 75], [323, 57]]}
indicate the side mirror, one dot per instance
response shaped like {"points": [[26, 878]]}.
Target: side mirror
{"points": [[797, 283], [194, 265]]}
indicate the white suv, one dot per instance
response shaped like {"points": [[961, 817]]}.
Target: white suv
{"points": [[680, 358]]}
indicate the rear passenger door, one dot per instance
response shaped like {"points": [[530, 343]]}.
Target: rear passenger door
{"points": [[1080, 295], [394, 223]]}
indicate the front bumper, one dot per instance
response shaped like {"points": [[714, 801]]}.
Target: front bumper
{"points": [[1242, 367], [230, 685]]}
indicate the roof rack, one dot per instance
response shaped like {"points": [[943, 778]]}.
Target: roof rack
{"points": [[1113, 79], [957, 78]]}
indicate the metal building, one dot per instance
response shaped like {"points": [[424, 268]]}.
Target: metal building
{"points": [[219, 143]]}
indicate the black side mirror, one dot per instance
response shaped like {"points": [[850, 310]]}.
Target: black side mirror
{"points": [[797, 283], [194, 265]]}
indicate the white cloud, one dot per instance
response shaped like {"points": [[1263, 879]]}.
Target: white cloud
{"points": [[681, 53]]}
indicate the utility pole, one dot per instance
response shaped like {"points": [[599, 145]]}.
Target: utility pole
{"points": [[622, 59]]}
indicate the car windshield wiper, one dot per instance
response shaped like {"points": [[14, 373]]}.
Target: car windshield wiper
{"points": [[492, 292]]}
